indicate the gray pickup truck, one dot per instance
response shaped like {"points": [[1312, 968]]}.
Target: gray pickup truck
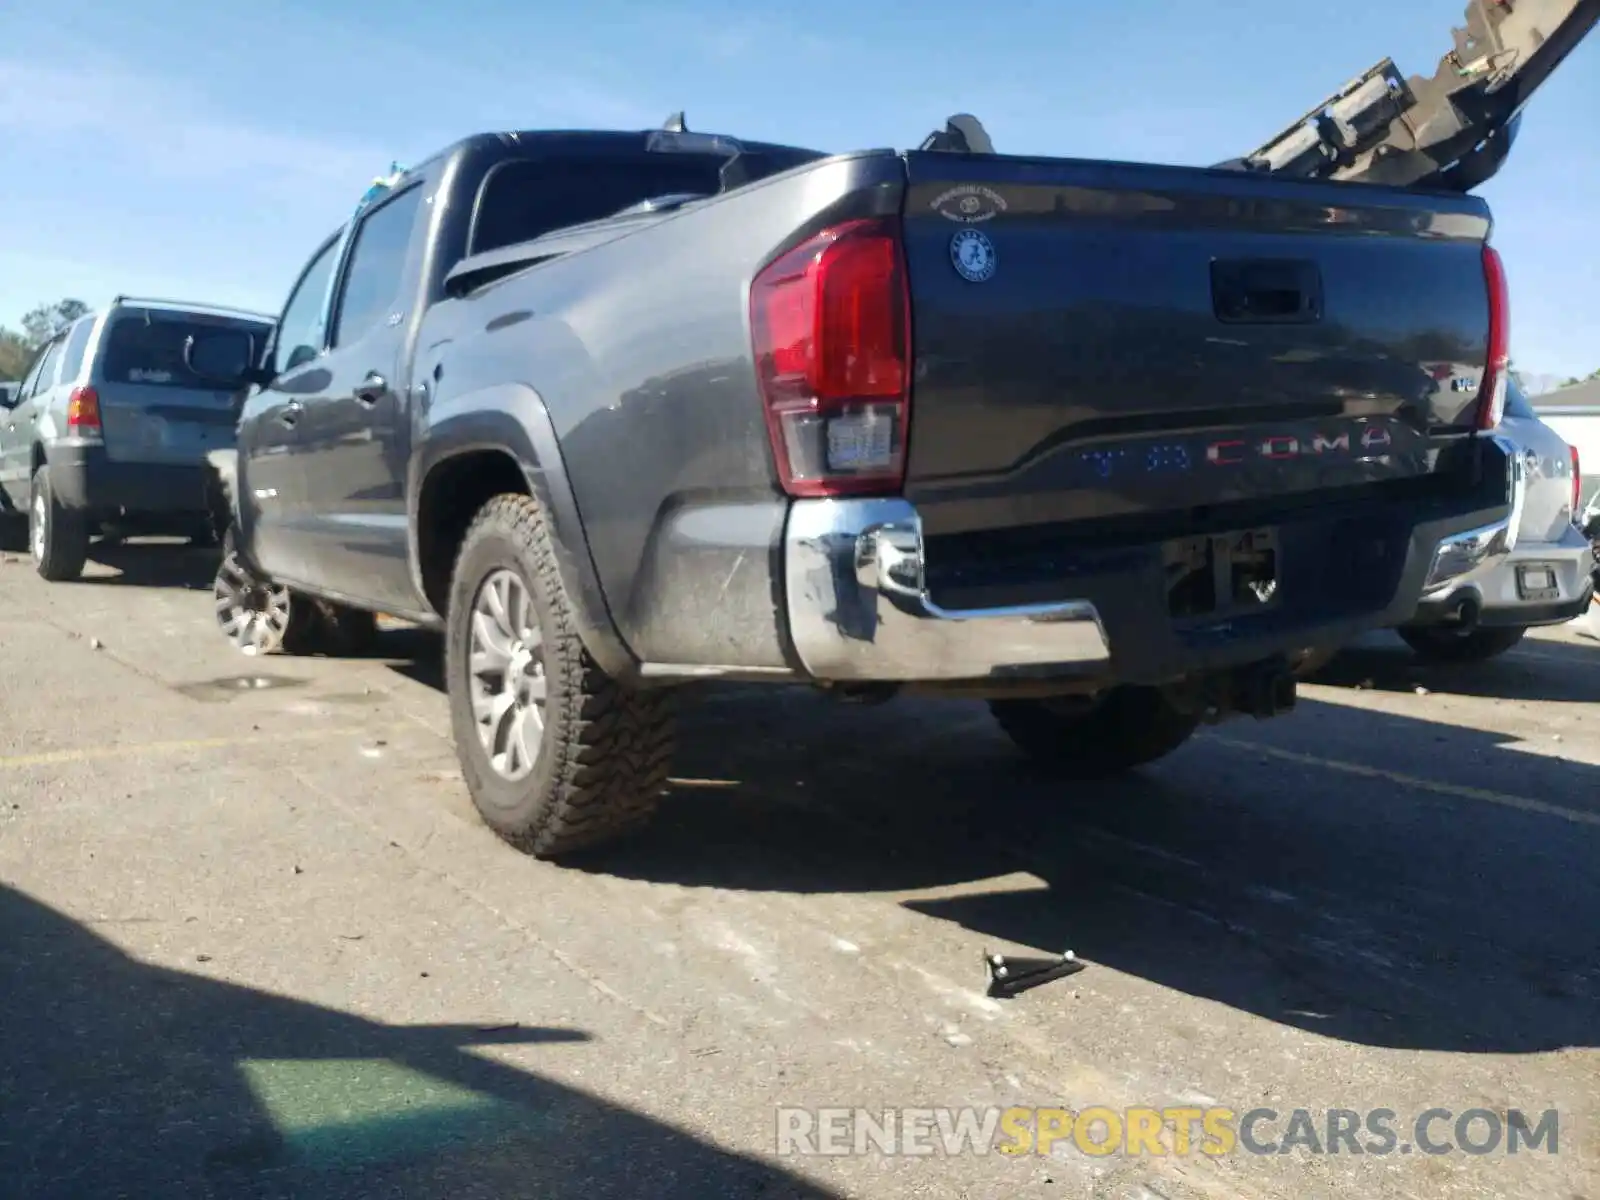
{"points": [[1100, 443]]}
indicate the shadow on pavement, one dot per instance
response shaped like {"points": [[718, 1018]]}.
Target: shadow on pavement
{"points": [[1366, 876], [119, 1079], [155, 564], [1565, 671], [1299, 878]]}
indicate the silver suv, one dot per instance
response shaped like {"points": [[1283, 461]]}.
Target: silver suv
{"points": [[109, 429]]}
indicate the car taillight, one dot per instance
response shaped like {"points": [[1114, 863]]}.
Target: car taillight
{"points": [[1497, 373], [831, 326], [83, 410]]}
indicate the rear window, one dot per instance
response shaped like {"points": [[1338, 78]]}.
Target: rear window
{"points": [[148, 349], [528, 198]]}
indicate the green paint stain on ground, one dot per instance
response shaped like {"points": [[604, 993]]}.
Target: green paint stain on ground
{"points": [[345, 1112]]}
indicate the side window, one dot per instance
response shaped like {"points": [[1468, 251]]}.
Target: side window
{"points": [[47, 369], [25, 387], [77, 343], [377, 266], [299, 336]]}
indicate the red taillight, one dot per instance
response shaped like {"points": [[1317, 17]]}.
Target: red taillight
{"points": [[1496, 374], [1577, 483], [830, 322], [83, 410]]}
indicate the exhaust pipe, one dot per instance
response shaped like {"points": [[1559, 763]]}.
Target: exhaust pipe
{"points": [[1466, 616]]}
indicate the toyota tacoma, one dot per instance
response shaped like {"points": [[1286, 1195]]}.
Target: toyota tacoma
{"points": [[1100, 443]]}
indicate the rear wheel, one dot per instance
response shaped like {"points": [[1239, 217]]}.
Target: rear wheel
{"points": [[1441, 643], [58, 538], [557, 755], [1123, 728], [258, 616]]}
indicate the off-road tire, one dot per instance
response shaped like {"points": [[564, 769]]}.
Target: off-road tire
{"points": [[66, 536], [606, 750], [1127, 728], [1444, 645]]}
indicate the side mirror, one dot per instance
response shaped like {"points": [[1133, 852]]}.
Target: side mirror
{"points": [[225, 358]]}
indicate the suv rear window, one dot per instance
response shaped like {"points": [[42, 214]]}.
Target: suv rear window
{"points": [[148, 349]]}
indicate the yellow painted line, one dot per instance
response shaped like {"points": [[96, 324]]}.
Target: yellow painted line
{"points": [[1482, 795], [18, 762]]}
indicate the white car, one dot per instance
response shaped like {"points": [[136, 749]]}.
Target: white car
{"points": [[1548, 578]]}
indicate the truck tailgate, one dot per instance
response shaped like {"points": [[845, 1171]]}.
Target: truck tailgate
{"points": [[1128, 340]]}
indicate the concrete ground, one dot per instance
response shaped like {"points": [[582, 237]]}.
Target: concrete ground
{"points": [[254, 942]]}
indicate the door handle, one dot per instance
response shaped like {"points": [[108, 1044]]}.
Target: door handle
{"points": [[291, 412], [371, 389]]}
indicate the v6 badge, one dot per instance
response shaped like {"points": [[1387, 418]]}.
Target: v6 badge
{"points": [[973, 255]]}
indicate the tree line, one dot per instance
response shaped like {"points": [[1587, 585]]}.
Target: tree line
{"points": [[18, 346]]}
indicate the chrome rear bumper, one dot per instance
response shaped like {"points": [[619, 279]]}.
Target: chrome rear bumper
{"points": [[859, 607]]}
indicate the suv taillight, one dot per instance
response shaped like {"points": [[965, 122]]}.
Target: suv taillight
{"points": [[83, 410], [1496, 374], [831, 326]]}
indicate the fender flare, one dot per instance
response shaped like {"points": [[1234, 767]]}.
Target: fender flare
{"points": [[513, 419]]}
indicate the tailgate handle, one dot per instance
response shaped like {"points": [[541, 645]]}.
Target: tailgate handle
{"points": [[1266, 291]]}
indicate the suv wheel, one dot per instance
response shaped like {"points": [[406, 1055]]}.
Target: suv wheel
{"points": [[1124, 728], [58, 539], [1440, 643], [557, 755]]}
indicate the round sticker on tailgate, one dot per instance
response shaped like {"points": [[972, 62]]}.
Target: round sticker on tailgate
{"points": [[973, 255]]}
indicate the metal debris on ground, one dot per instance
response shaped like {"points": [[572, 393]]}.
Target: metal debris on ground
{"points": [[1011, 975]]}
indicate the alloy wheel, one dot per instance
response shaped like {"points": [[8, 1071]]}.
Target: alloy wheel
{"points": [[253, 614], [506, 675]]}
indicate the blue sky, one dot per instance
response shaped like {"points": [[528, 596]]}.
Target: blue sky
{"points": [[178, 148]]}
